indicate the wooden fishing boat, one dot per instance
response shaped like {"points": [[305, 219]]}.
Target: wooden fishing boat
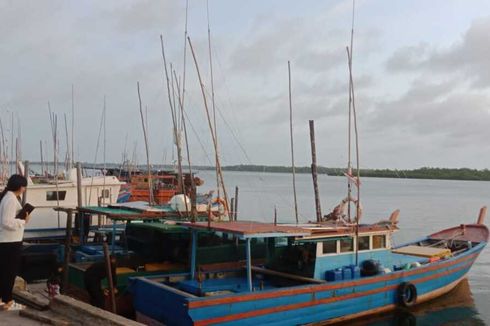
{"points": [[165, 185], [314, 273]]}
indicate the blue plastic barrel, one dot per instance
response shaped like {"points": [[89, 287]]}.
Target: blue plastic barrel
{"points": [[334, 275], [347, 273]]}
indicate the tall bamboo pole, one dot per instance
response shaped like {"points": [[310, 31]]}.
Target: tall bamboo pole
{"points": [[72, 126], [213, 135], [212, 93], [292, 145], [193, 184], [150, 192], [174, 118]]}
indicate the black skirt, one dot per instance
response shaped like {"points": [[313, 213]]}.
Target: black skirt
{"points": [[10, 257]]}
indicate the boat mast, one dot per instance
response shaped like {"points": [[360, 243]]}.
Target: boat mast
{"points": [[292, 145]]}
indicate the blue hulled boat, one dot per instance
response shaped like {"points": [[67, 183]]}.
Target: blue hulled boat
{"points": [[313, 273]]}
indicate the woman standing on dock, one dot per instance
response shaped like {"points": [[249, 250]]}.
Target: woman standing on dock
{"points": [[11, 234]]}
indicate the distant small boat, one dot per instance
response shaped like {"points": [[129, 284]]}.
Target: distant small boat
{"points": [[311, 276]]}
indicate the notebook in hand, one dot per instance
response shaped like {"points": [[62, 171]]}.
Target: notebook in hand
{"points": [[26, 210]]}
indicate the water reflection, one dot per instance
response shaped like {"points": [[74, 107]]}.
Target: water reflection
{"points": [[454, 308]]}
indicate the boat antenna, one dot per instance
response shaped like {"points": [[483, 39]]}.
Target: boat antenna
{"points": [[72, 126], [150, 193], [213, 135], [292, 145]]}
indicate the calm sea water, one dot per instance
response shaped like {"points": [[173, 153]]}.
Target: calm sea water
{"points": [[426, 206]]}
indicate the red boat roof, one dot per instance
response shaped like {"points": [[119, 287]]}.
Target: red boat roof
{"points": [[248, 229]]}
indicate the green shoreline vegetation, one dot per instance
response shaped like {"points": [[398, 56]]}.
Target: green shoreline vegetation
{"points": [[420, 173]]}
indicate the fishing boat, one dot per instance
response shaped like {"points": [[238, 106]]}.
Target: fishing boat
{"points": [[313, 273], [165, 185], [46, 194]]}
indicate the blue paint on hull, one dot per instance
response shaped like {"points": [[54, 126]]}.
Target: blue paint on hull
{"points": [[298, 308]]}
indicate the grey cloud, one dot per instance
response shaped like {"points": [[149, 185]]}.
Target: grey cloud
{"points": [[458, 117], [469, 57]]}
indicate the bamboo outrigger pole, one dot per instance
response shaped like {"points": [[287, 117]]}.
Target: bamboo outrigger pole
{"points": [[213, 135], [292, 145]]}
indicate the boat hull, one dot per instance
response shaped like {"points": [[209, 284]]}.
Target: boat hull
{"points": [[321, 303]]}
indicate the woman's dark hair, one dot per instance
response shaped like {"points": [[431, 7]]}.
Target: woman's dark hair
{"points": [[16, 181]]}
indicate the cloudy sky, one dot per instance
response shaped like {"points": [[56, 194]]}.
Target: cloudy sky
{"points": [[421, 74]]}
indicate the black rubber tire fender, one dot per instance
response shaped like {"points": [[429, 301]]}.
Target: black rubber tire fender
{"points": [[406, 294]]}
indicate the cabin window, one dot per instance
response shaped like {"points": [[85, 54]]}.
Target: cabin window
{"points": [[364, 243], [55, 195], [330, 247], [346, 245], [105, 193], [379, 241], [281, 242]]}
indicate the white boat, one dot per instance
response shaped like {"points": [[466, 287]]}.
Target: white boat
{"points": [[45, 222]]}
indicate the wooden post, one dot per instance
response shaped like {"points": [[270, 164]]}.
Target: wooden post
{"points": [[80, 202], [275, 215], [314, 172], [109, 277], [481, 216], [194, 236], [26, 175], [193, 201], [249, 265], [232, 212], [79, 184], [69, 220], [99, 217], [236, 204]]}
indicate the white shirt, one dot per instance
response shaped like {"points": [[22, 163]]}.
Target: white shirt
{"points": [[11, 228]]}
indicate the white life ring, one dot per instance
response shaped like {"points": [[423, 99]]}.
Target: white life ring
{"points": [[341, 209]]}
